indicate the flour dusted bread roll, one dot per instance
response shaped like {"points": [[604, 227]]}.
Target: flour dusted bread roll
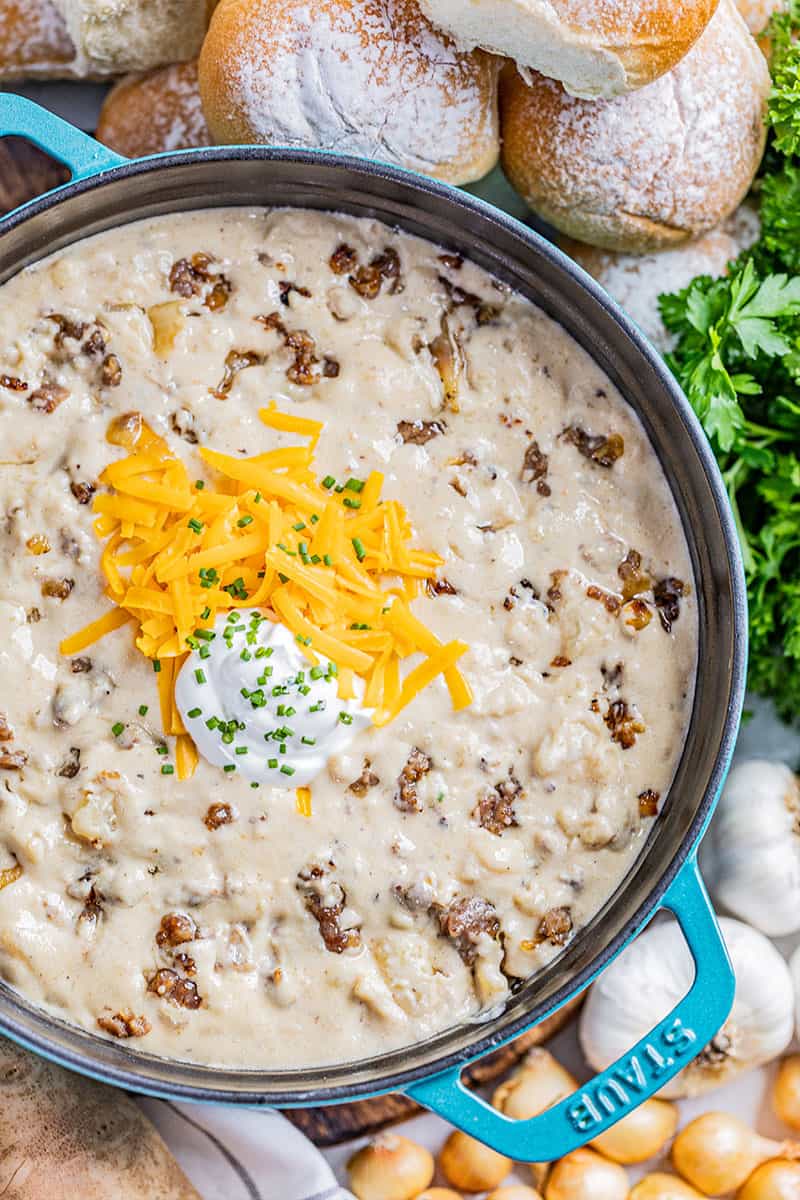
{"points": [[636, 281], [651, 169], [94, 39], [34, 41], [155, 112], [594, 47], [63, 1137], [366, 77]]}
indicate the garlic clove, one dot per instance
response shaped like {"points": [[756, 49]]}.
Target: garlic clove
{"points": [[751, 854], [650, 976], [660, 1186], [717, 1152], [640, 1135]]}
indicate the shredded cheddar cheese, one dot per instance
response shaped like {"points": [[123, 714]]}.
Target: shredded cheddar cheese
{"points": [[333, 561]]}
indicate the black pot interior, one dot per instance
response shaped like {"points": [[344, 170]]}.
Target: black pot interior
{"points": [[526, 262]]}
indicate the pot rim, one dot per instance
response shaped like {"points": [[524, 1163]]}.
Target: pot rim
{"points": [[88, 1054]]}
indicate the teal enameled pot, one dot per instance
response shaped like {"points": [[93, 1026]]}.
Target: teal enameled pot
{"points": [[108, 191]]}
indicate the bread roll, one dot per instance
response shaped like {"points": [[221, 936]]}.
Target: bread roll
{"points": [[148, 114], [33, 40], [63, 1137], [651, 169], [636, 281], [758, 12], [366, 77], [93, 39], [594, 47]]}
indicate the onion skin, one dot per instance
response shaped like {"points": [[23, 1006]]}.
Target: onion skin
{"points": [[786, 1092], [717, 1152], [391, 1167], [515, 1191], [586, 1175], [660, 1186], [470, 1165], [640, 1135], [774, 1180]]}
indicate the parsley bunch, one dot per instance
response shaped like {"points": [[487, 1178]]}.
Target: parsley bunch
{"points": [[737, 356]]}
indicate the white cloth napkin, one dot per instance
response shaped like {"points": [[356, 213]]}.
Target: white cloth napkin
{"points": [[236, 1154]]}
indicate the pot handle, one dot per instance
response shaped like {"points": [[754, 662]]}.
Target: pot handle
{"points": [[615, 1092], [20, 117]]}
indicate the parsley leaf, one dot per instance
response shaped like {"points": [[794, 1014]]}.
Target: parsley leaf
{"points": [[736, 352]]}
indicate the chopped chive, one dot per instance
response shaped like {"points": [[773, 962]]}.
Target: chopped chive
{"points": [[205, 635], [205, 614], [308, 741], [339, 487], [282, 747], [272, 762], [283, 578], [195, 712], [156, 665], [314, 518], [204, 651], [302, 547], [195, 525], [227, 738], [355, 485], [328, 481], [346, 718], [245, 655], [299, 526], [229, 767], [290, 712], [315, 558], [255, 784], [326, 558], [358, 546], [212, 722], [247, 520], [348, 503], [143, 710], [117, 728], [304, 690], [287, 770], [200, 675], [240, 750], [257, 498], [162, 750], [199, 484], [167, 769]]}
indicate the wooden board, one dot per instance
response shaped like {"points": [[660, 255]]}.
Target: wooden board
{"points": [[26, 172], [338, 1123]]}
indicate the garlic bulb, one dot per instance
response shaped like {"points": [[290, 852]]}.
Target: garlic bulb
{"points": [[648, 978], [751, 855]]}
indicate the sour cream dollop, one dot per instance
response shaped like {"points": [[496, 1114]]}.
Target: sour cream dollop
{"points": [[253, 703]]}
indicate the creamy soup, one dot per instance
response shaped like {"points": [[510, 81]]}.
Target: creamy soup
{"points": [[436, 852]]}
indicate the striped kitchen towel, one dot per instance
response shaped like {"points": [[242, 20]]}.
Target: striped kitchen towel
{"points": [[236, 1154]]}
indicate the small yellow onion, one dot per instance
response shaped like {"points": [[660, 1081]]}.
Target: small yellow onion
{"points": [[640, 1135], [786, 1091], [390, 1167], [660, 1186], [716, 1152], [775, 1180], [470, 1165], [585, 1175], [515, 1191], [539, 1083], [438, 1194]]}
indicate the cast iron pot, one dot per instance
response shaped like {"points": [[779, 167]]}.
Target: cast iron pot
{"points": [[107, 191]]}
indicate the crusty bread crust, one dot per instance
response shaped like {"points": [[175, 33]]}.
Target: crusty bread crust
{"points": [[647, 170], [594, 47], [366, 77], [68, 1138], [34, 41], [154, 112]]}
